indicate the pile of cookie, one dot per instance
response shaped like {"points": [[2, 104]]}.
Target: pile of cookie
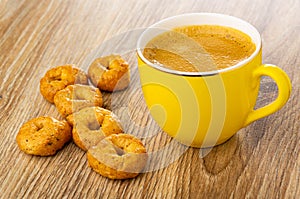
{"points": [[95, 130]]}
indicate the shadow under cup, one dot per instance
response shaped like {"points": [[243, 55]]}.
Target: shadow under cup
{"points": [[204, 109]]}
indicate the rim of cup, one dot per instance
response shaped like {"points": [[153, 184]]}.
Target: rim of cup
{"points": [[198, 19]]}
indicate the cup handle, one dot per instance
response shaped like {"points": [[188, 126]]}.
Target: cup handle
{"points": [[284, 91]]}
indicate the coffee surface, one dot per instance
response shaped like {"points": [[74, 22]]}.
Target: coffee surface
{"points": [[199, 48]]}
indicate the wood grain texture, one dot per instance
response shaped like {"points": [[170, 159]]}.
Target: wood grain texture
{"points": [[261, 161]]}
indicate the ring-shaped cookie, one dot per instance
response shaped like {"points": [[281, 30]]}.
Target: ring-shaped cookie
{"points": [[92, 124], [76, 97], [109, 73], [60, 77], [119, 156], [43, 136]]}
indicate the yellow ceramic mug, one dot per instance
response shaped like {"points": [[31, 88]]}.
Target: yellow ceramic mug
{"points": [[203, 109]]}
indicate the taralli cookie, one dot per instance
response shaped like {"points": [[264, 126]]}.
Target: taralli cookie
{"points": [[60, 77], [76, 97], [43, 136], [92, 124], [119, 156], [110, 73]]}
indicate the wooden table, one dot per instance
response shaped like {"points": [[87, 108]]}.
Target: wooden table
{"points": [[262, 160]]}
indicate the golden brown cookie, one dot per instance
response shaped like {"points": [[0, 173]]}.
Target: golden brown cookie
{"points": [[76, 97], [110, 73], [43, 136], [92, 124], [119, 156], [58, 78]]}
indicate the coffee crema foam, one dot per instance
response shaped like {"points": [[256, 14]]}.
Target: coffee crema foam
{"points": [[199, 48]]}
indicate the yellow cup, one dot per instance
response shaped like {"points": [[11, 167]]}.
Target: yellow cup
{"points": [[204, 109]]}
